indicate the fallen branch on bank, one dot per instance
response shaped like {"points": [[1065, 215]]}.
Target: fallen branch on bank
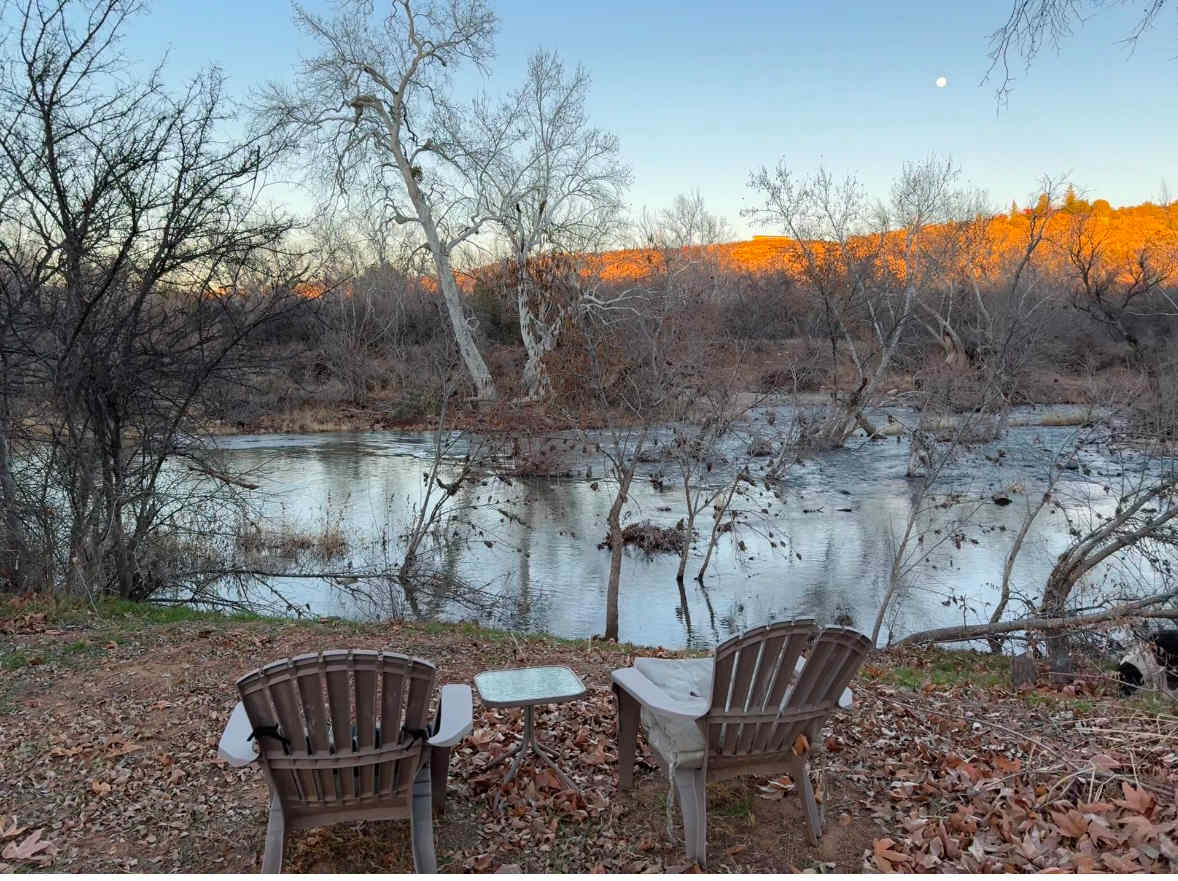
{"points": [[1143, 608]]}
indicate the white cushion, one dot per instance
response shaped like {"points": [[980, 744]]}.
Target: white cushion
{"points": [[679, 741]]}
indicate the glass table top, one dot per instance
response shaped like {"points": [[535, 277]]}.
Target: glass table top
{"points": [[529, 685]]}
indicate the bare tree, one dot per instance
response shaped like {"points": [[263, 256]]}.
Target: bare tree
{"points": [[136, 261], [1117, 290], [1142, 522], [984, 302], [628, 354], [917, 541], [704, 422], [842, 249], [687, 223], [372, 109], [1138, 535], [559, 191], [1034, 24]]}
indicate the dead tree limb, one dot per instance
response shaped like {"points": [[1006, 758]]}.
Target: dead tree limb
{"points": [[1143, 608]]}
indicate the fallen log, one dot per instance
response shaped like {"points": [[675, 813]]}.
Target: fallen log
{"points": [[1142, 608]]}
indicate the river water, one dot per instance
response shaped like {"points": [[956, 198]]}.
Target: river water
{"points": [[819, 546]]}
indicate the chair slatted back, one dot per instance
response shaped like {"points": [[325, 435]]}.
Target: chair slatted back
{"points": [[831, 663], [341, 714], [752, 673]]}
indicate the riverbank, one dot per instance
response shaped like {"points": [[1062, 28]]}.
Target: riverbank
{"points": [[111, 721], [538, 418]]}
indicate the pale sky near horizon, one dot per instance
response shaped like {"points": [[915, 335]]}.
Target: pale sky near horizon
{"points": [[701, 93]]}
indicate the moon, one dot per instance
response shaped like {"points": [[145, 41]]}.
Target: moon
{"points": [[942, 81]]}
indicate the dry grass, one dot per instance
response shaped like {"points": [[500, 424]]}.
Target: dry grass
{"points": [[287, 542]]}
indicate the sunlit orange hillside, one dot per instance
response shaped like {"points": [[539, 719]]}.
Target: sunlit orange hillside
{"points": [[1122, 235]]}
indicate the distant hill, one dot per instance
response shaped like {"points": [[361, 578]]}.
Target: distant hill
{"points": [[1121, 236]]}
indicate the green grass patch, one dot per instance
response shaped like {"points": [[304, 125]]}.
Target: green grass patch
{"points": [[944, 669], [167, 613], [904, 677], [942, 676], [1153, 704], [737, 806], [13, 660]]}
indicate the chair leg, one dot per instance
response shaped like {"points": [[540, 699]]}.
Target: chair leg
{"points": [[421, 823], [814, 811], [691, 786], [439, 766], [627, 736], [275, 837]]}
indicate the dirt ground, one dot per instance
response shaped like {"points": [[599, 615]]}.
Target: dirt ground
{"points": [[110, 728]]}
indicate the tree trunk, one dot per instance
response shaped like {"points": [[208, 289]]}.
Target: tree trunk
{"points": [[13, 544], [538, 338], [440, 250], [1008, 568], [537, 386], [1055, 597], [463, 335], [13, 547], [626, 475], [690, 529]]}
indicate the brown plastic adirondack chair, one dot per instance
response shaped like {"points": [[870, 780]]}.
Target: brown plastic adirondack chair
{"points": [[739, 712], [341, 735]]}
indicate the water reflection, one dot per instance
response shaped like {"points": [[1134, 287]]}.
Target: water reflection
{"points": [[822, 549]]}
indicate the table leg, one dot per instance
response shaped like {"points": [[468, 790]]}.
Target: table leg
{"points": [[529, 742]]}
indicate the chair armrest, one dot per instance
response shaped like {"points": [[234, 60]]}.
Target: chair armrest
{"points": [[236, 748], [654, 698], [455, 715]]}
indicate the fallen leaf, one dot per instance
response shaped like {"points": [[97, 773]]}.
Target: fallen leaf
{"points": [[885, 855], [1135, 799], [482, 862], [32, 849], [1071, 823], [801, 745]]}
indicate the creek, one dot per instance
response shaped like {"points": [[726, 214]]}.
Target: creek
{"points": [[820, 546]]}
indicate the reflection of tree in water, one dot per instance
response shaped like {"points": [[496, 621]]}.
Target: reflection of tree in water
{"points": [[693, 638], [527, 610]]}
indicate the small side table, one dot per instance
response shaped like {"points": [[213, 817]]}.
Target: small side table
{"points": [[525, 688]]}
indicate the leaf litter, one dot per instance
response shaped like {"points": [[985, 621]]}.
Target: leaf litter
{"points": [[111, 765]]}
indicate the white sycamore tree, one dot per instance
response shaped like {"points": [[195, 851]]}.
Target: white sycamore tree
{"points": [[559, 191], [374, 112]]}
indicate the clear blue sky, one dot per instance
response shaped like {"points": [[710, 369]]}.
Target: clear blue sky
{"points": [[702, 92]]}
